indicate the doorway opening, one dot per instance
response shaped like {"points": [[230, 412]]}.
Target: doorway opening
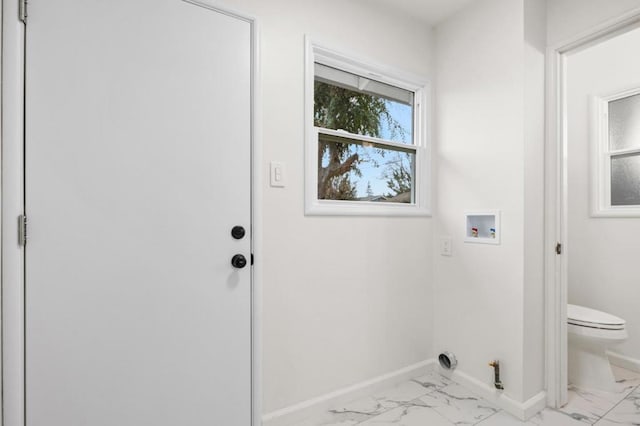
{"points": [[582, 177]]}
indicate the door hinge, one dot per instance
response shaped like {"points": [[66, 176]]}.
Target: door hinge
{"points": [[22, 10], [558, 248], [22, 230]]}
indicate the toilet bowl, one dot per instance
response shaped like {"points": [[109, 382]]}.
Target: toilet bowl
{"points": [[591, 333]]}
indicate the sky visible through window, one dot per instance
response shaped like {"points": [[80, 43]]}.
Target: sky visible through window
{"points": [[374, 167]]}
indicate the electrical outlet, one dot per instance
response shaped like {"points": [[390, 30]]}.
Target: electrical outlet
{"points": [[445, 246]]}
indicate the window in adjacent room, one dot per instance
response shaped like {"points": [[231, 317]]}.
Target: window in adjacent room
{"points": [[366, 139], [617, 155]]}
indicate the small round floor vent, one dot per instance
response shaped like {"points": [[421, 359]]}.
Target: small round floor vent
{"points": [[447, 360]]}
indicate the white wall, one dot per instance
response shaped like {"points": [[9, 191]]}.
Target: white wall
{"points": [[603, 252], [488, 152], [568, 18], [535, 27], [345, 298]]}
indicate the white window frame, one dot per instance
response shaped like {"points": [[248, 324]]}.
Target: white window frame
{"points": [[422, 179], [601, 158]]}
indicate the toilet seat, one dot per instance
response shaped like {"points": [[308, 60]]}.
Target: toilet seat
{"points": [[591, 318]]}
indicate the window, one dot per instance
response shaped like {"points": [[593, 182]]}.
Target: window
{"points": [[366, 145], [617, 154]]}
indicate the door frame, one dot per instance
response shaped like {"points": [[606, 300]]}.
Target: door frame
{"points": [[556, 190], [12, 367]]}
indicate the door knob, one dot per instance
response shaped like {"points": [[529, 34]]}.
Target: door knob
{"points": [[238, 261], [237, 232]]}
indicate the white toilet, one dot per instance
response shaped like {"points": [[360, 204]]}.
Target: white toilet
{"points": [[591, 333]]}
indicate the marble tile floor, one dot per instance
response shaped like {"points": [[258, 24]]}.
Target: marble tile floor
{"points": [[434, 400]]}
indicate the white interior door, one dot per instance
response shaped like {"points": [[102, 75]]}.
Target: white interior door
{"points": [[138, 118]]}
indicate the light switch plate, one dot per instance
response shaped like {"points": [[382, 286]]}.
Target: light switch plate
{"points": [[277, 174]]}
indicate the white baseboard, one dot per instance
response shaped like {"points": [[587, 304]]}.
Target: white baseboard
{"points": [[522, 410], [297, 413], [317, 406], [624, 361]]}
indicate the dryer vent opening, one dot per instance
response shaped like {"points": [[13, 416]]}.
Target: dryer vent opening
{"points": [[447, 360]]}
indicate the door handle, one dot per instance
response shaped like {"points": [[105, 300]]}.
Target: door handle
{"points": [[238, 261]]}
